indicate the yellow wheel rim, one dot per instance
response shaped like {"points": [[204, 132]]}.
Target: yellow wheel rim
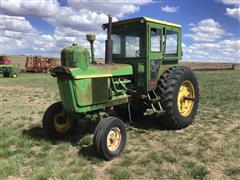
{"points": [[62, 123], [114, 139], [186, 97]]}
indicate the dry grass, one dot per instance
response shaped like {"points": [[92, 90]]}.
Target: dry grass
{"points": [[208, 149]]}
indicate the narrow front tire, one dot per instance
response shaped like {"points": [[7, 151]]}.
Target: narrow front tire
{"points": [[56, 123], [109, 137]]}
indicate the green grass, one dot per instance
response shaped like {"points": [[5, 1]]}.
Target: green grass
{"points": [[207, 149]]}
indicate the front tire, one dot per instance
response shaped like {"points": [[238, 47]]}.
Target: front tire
{"points": [[14, 75], [56, 123], [109, 137], [179, 93]]}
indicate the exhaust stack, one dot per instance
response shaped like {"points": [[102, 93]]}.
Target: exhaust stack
{"points": [[109, 42]]}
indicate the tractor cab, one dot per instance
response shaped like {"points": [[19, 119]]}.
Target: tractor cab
{"points": [[147, 44]]}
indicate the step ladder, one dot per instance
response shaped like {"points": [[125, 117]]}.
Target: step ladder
{"points": [[155, 107]]}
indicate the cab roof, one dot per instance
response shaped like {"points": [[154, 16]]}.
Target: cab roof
{"points": [[147, 19]]}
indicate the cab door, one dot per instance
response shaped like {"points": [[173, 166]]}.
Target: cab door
{"points": [[172, 46], [154, 58]]}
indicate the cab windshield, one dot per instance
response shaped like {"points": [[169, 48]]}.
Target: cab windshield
{"points": [[128, 44]]}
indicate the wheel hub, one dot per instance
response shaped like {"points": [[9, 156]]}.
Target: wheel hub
{"points": [[62, 123], [186, 97], [113, 139]]}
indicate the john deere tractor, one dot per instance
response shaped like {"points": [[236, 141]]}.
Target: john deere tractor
{"points": [[140, 76], [6, 68]]}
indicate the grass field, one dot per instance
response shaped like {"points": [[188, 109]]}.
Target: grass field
{"points": [[208, 149]]}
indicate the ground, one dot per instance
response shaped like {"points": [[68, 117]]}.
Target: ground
{"points": [[207, 149]]}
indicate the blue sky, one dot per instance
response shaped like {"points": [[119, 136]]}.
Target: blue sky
{"points": [[210, 28]]}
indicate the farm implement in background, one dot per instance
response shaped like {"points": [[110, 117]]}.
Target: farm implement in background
{"points": [[40, 64], [140, 76], [6, 68]]}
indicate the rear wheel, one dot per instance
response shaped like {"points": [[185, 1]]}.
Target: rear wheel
{"points": [[109, 137], [56, 123], [178, 90], [6, 74]]}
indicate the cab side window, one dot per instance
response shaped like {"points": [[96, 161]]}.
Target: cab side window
{"points": [[155, 40], [171, 43]]}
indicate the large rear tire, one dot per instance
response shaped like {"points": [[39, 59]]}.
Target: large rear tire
{"points": [[56, 123], [179, 93]]}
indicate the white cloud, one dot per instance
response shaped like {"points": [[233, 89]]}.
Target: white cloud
{"points": [[20, 37], [170, 9], [227, 50], [234, 12], [83, 15], [72, 22], [43, 8], [52, 12], [13, 23], [117, 8], [206, 30], [230, 2]]}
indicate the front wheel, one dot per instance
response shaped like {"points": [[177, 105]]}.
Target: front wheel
{"points": [[56, 123], [109, 137], [178, 90], [14, 75]]}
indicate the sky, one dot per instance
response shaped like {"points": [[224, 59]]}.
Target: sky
{"points": [[210, 28]]}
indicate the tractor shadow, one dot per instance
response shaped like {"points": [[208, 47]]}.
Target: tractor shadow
{"points": [[83, 129], [147, 123], [82, 138], [144, 123]]}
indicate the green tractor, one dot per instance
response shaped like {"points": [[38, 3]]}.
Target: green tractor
{"points": [[140, 76], [6, 68]]}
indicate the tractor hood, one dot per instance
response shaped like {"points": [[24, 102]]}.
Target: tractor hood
{"points": [[93, 71]]}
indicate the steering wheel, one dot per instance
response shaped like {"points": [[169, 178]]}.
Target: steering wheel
{"points": [[137, 53]]}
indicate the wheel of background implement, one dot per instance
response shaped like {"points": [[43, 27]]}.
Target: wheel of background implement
{"points": [[109, 137], [179, 93], [56, 123]]}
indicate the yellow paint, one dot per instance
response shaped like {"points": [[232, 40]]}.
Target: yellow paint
{"points": [[62, 127], [87, 76], [148, 20], [161, 22], [185, 106], [114, 139]]}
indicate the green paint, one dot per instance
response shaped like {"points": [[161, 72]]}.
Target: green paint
{"points": [[7, 69], [143, 28], [75, 56], [86, 87]]}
